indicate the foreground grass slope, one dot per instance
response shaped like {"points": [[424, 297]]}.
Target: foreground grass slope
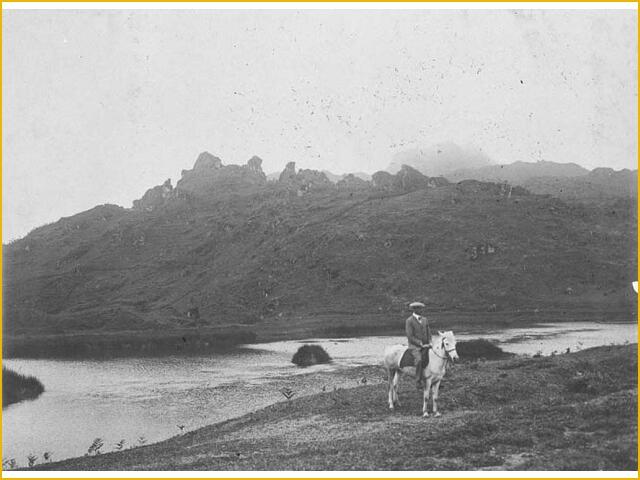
{"points": [[569, 412], [226, 247]]}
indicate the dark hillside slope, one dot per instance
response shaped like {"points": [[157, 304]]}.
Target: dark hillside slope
{"points": [[567, 181], [599, 184], [517, 173], [225, 246]]}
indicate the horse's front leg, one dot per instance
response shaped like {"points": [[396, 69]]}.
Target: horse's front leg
{"points": [[425, 395], [391, 389], [436, 389], [396, 380]]}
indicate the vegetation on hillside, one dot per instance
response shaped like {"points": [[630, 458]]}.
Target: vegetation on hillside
{"points": [[228, 247]]}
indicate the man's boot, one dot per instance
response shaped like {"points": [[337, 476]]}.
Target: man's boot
{"points": [[419, 379], [425, 357]]}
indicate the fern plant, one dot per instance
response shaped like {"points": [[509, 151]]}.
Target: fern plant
{"points": [[95, 447], [287, 393]]}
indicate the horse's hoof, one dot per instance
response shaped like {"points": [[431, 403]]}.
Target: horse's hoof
{"points": [[425, 415], [390, 407], [437, 414]]}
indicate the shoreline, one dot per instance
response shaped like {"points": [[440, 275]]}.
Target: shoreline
{"points": [[304, 382], [190, 341], [564, 403]]}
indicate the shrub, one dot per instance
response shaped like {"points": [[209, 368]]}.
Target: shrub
{"points": [[480, 348], [95, 447], [579, 385], [310, 355]]}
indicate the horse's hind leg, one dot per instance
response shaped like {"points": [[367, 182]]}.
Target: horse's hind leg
{"points": [[396, 379], [390, 387]]}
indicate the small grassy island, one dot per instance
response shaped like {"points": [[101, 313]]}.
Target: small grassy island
{"points": [[480, 349], [308, 355], [17, 387]]}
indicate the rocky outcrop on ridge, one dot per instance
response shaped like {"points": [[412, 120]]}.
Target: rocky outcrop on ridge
{"points": [[209, 175], [154, 197], [351, 182], [304, 180]]}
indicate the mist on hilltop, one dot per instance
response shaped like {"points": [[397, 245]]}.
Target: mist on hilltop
{"points": [[440, 159]]}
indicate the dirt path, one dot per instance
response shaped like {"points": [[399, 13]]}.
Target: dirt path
{"points": [[574, 412]]}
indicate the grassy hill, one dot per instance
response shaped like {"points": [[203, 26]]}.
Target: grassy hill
{"points": [[227, 248]]}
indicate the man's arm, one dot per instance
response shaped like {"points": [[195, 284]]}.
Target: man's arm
{"points": [[413, 340]]}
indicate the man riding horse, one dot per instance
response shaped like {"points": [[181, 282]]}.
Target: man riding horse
{"points": [[419, 337]]}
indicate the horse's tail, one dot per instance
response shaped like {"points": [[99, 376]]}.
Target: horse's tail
{"points": [[392, 356]]}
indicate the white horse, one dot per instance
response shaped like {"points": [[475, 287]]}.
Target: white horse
{"points": [[443, 348]]}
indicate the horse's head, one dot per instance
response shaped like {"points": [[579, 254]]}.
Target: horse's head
{"points": [[449, 344]]}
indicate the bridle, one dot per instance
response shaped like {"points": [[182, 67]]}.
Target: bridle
{"points": [[446, 352]]}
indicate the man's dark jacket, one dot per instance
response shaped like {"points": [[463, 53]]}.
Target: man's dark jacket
{"points": [[418, 334]]}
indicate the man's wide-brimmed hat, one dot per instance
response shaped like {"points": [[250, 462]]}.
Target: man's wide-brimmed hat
{"points": [[417, 305]]}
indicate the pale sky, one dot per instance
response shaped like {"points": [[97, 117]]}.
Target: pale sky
{"points": [[98, 106]]}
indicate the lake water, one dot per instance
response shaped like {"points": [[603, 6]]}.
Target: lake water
{"points": [[143, 400]]}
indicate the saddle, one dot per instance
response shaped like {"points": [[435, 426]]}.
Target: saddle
{"points": [[408, 361]]}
